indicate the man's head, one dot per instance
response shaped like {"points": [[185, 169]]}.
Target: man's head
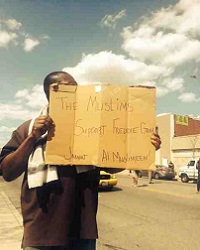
{"points": [[59, 77]]}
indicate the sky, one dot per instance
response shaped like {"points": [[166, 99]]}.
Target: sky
{"points": [[128, 42]]}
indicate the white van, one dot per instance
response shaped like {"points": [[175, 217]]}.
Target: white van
{"points": [[189, 172]]}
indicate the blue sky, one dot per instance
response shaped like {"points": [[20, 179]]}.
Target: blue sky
{"points": [[149, 42]]}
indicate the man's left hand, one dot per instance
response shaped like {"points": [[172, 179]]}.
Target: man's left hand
{"points": [[156, 141]]}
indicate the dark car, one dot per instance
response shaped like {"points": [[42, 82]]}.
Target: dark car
{"points": [[161, 172]]}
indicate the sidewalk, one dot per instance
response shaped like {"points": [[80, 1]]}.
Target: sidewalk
{"points": [[11, 229]]}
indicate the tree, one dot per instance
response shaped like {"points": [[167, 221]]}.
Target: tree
{"points": [[193, 142]]}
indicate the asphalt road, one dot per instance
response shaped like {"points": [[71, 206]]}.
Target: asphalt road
{"points": [[163, 216]]}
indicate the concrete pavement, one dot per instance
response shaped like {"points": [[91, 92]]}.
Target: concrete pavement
{"points": [[11, 229]]}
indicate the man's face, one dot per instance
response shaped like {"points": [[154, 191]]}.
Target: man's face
{"points": [[61, 79], [65, 79]]}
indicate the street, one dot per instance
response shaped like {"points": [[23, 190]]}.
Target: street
{"points": [[164, 215]]}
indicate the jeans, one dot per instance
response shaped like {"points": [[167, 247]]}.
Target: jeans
{"points": [[73, 245]]}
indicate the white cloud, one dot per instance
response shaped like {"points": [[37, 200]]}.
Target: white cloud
{"points": [[180, 18], [13, 111], [170, 49], [4, 138], [6, 129], [175, 84], [30, 44], [10, 33], [190, 19], [21, 93], [169, 37], [189, 97], [5, 134], [6, 38], [170, 85], [13, 24], [108, 67], [156, 47], [110, 21], [27, 104], [44, 37], [161, 91], [33, 98], [188, 51]]}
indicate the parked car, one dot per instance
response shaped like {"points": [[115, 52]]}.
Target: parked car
{"points": [[161, 172], [107, 180], [189, 172]]}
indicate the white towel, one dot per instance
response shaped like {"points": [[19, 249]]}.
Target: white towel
{"points": [[40, 173]]}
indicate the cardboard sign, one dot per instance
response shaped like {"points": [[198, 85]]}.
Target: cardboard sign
{"points": [[102, 125]]}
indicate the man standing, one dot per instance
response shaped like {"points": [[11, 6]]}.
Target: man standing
{"points": [[171, 165], [134, 176], [59, 211], [198, 178], [150, 177]]}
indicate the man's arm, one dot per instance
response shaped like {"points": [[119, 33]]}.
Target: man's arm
{"points": [[14, 164]]}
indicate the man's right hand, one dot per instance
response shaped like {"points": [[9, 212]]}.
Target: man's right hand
{"points": [[41, 125], [14, 164]]}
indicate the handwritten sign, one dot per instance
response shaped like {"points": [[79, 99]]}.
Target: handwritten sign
{"points": [[102, 125]]}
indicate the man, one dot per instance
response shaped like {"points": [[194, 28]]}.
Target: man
{"points": [[198, 178], [134, 175], [60, 214], [150, 177], [171, 165]]}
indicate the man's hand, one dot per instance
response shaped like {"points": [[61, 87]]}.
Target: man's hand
{"points": [[14, 164], [156, 141], [41, 125]]}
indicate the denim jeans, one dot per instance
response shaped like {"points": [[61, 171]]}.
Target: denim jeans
{"points": [[73, 245]]}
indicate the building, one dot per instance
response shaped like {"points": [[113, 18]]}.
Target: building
{"points": [[180, 139]]}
